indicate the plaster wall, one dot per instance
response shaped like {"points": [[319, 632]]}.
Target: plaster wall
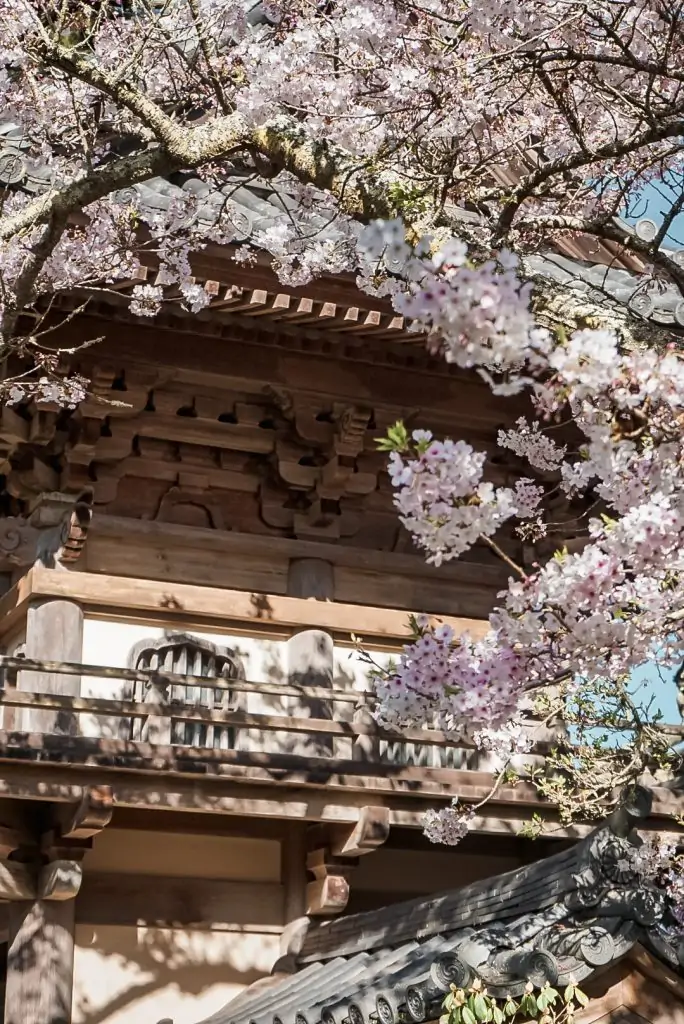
{"points": [[135, 964], [142, 975], [264, 660], [184, 855]]}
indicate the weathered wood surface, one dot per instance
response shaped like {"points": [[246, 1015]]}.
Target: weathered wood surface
{"points": [[167, 551], [93, 813], [144, 675], [328, 894], [267, 614], [60, 880], [314, 727], [362, 725], [293, 870], [40, 962], [16, 881], [54, 631], [312, 578], [371, 831], [168, 901], [279, 788], [256, 765], [638, 990], [334, 799]]}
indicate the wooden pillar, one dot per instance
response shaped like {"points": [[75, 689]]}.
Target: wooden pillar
{"points": [[293, 874], [40, 962], [54, 632]]}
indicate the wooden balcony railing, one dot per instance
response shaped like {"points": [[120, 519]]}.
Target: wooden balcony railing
{"points": [[351, 728]]}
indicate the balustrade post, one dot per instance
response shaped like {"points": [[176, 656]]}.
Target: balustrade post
{"points": [[54, 632], [157, 728], [310, 663], [366, 746]]}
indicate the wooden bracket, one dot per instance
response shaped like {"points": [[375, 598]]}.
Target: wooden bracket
{"points": [[370, 831], [59, 880], [93, 813], [329, 893], [334, 853]]}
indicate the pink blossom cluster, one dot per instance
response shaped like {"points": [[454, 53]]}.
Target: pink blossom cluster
{"points": [[65, 392], [509, 739], [476, 316], [659, 861], [444, 501], [528, 440], [454, 685], [449, 825]]}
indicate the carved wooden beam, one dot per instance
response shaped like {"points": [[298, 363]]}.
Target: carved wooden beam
{"points": [[93, 813], [369, 832], [334, 853]]}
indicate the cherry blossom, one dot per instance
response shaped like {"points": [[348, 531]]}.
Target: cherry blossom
{"points": [[449, 825]]}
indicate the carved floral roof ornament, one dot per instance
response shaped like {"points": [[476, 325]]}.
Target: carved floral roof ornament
{"points": [[566, 917]]}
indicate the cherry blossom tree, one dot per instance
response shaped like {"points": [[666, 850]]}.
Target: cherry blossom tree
{"points": [[435, 148]]}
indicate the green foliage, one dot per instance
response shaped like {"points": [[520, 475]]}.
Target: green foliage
{"points": [[543, 1006], [615, 736], [409, 201], [396, 439]]}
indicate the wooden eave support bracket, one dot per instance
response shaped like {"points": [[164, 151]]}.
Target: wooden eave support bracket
{"points": [[64, 847], [92, 814], [332, 864], [370, 831]]}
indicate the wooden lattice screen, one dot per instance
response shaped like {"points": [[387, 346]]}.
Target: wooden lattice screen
{"points": [[183, 654]]}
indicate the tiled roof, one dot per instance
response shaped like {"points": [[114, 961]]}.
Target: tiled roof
{"points": [[567, 916]]}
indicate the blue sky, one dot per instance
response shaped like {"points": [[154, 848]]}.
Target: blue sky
{"points": [[657, 683], [653, 204]]}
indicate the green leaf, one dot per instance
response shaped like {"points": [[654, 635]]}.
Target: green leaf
{"points": [[551, 994], [581, 998], [569, 994], [510, 1008], [497, 1015], [480, 1007], [542, 1001], [468, 1016], [528, 1005]]}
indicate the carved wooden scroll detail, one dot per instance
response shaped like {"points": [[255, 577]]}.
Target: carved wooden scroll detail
{"points": [[53, 535]]}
